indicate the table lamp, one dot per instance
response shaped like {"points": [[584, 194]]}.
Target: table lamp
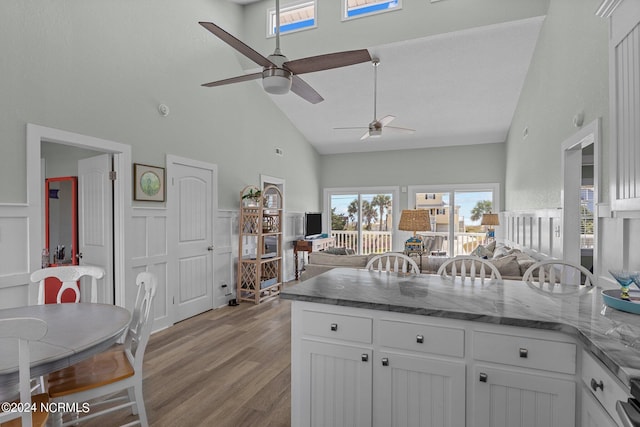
{"points": [[414, 220], [489, 220]]}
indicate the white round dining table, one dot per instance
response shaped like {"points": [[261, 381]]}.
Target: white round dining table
{"points": [[75, 331]]}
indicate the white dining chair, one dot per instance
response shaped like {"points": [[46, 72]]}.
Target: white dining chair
{"points": [[472, 267], [69, 276], [112, 371], [558, 276], [22, 330], [393, 261]]}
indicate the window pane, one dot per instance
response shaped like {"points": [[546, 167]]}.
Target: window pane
{"points": [[470, 206], [355, 8], [294, 17], [362, 222], [345, 219]]}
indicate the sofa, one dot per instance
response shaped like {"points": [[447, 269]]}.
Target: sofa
{"points": [[510, 262]]}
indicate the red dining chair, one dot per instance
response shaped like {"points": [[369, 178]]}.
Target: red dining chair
{"points": [[69, 276]]}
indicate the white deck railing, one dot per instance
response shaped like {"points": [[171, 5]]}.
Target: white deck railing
{"points": [[374, 242]]}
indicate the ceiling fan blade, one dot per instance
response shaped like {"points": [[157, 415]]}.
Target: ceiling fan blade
{"points": [[351, 128], [327, 61], [386, 120], [304, 90], [402, 130], [365, 136], [237, 44], [234, 80]]}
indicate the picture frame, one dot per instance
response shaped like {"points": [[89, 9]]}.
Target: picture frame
{"points": [[148, 183]]}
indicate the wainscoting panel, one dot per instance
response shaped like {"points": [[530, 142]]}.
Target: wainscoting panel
{"points": [[14, 252], [536, 232], [149, 253]]}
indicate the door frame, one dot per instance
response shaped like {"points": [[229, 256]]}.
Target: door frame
{"points": [[571, 170], [37, 134]]}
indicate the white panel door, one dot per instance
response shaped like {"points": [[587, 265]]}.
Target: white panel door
{"points": [[95, 220], [414, 391], [504, 398], [191, 204]]}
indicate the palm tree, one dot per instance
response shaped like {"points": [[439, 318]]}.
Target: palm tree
{"points": [[369, 214], [353, 210], [382, 202], [482, 207]]}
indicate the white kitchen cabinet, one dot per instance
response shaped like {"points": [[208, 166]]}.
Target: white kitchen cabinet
{"points": [[336, 385], [592, 413], [417, 391], [522, 378], [513, 398], [605, 391]]}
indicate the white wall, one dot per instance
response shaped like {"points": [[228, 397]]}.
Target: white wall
{"points": [[568, 74], [102, 68]]}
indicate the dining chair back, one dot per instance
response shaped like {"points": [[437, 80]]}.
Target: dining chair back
{"points": [[393, 261], [69, 276], [558, 276], [112, 371], [22, 330], [469, 266]]}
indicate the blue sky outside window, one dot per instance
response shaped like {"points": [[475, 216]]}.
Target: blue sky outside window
{"points": [[351, 12], [296, 26]]}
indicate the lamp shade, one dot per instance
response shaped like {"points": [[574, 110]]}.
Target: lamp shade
{"points": [[490, 219], [414, 220]]}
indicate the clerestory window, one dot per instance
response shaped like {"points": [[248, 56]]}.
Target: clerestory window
{"points": [[358, 8], [296, 16]]}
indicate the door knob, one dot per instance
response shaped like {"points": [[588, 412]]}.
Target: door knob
{"points": [[79, 255]]}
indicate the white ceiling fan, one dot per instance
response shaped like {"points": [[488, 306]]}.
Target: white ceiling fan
{"points": [[279, 75], [375, 127]]}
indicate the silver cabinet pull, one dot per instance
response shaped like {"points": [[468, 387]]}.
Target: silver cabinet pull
{"points": [[365, 357], [420, 339], [524, 353], [385, 361], [210, 248], [595, 385], [483, 377], [334, 327]]}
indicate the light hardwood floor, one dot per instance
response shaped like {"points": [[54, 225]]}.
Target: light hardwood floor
{"points": [[228, 367]]}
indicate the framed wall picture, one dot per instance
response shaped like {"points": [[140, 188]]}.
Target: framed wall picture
{"points": [[148, 183]]}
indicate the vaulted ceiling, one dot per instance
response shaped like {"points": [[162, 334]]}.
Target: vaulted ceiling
{"points": [[456, 88]]}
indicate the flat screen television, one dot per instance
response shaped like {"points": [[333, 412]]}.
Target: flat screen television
{"points": [[312, 224]]}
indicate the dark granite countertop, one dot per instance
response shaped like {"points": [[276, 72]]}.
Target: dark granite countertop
{"points": [[610, 335]]}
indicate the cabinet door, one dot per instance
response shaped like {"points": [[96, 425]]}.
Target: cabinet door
{"points": [[417, 391], [336, 385], [504, 398], [593, 414]]}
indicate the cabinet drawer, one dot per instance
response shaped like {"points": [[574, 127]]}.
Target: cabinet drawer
{"points": [[603, 386], [338, 326], [527, 352], [422, 338]]}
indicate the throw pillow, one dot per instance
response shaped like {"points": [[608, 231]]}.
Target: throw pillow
{"points": [[482, 252], [336, 251], [507, 265]]}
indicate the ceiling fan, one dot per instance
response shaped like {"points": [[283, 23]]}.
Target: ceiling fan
{"points": [[279, 75], [375, 127]]}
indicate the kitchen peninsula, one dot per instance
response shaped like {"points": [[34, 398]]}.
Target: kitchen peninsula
{"points": [[378, 349]]}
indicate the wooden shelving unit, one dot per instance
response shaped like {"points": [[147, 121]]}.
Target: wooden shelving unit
{"points": [[260, 247]]}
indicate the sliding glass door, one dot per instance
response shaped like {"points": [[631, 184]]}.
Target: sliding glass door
{"points": [[362, 220], [456, 214]]}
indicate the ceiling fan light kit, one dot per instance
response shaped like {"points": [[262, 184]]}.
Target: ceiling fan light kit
{"points": [[279, 75], [276, 81]]}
